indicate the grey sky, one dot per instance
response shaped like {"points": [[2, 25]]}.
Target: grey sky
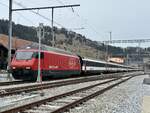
{"points": [[127, 19]]}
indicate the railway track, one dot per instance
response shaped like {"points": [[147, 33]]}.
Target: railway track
{"points": [[13, 83], [36, 87], [39, 86], [63, 102], [23, 82]]}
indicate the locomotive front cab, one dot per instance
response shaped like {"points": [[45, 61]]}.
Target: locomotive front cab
{"points": [[24, 65]]}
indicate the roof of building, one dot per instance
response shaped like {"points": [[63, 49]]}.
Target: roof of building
{"points": [[16, 42]]}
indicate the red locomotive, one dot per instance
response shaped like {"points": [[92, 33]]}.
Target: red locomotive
{"points": [[56, 64]]}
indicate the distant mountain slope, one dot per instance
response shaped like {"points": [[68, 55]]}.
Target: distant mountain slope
{"points": [[67, 40]]}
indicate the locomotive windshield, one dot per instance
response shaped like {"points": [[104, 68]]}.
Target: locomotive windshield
{"points": [[24, 55]]}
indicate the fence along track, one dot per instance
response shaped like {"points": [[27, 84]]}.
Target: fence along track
{"points": [[25, 108]]}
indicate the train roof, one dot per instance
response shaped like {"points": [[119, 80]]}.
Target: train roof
{"points": [[46, 48], [100, 61], [104, 62]]}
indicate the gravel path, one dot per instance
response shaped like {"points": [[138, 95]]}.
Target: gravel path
{"points": [[125, 98]]}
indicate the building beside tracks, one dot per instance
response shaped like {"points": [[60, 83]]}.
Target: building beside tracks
{"points": [[118, 60], [16, 43]]}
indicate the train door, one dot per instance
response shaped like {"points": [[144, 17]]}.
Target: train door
{"points": [[81, 62], [84, 67]]}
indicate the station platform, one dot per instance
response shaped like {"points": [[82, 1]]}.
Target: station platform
{"points": [[146, 104]]}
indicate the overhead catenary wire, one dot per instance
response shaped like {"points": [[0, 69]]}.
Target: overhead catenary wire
{"points": [[53, 20], [30, 21], [39, 8], [37, 13], [44, 17], [48, 19], [82, 19], [3, 4], [85, 20]]}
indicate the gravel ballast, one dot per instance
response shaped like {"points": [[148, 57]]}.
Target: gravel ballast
{"points": [[125, 98], [10, 101]]}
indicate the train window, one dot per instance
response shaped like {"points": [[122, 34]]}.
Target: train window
{"points": [[35, 55], [24, 55], [95, 64]]}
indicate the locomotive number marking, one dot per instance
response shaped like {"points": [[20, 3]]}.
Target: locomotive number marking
{"points": [[54, 67]]}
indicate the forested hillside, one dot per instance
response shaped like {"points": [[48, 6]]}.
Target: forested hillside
{"points": [[68, 40]]}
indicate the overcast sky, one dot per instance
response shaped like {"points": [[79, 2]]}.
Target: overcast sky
{"points": [[126, 19]]}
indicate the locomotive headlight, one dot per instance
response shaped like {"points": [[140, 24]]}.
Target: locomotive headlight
{"points": [[13, 67], [28, 67]]}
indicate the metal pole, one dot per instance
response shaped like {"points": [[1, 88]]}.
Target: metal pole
{"points": [[139, 54], [110, 37], [127, 62], [106, 51], [10, 38], [106, 57], [110, 41], [53, 40], [40, 34], [39, 53]]}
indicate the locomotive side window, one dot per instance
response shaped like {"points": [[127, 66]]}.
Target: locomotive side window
{"points": [[35, 55], [24, 55], [42, 55]]}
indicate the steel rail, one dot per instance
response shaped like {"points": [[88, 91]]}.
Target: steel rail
{"points": [[35, 87], [84, 99], [14, 83], [40, 102]]}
